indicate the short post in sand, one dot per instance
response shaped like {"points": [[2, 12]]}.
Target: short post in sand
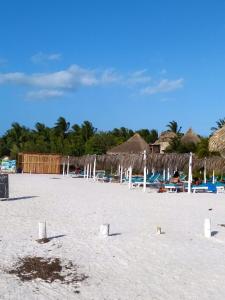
{"points": [[145, 173], [158, 230], [104, 230], [130, 178], [190, 173], [207, 228], [42, 233]]}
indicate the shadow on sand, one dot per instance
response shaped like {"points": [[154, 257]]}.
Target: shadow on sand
{"points": [[56, 237], [19, 198], [213, 233], [115, 234]]}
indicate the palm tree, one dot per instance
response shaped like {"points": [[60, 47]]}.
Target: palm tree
{"points": [[62, 127], [173, 127], [220, 123]]}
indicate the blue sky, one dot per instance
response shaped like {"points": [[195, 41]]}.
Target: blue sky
{"points": [[138, 64]]}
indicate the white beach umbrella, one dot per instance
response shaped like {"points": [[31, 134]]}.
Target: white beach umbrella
{"points": [[190, 173], [68, 165], [88, 171], [168, 174], [121, 174], [145, 171], [164, 175], [205, 170], [94, 170], [130, 177], [213, 177]]}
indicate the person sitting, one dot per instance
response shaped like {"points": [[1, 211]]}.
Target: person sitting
{"points": [[175, 178]]}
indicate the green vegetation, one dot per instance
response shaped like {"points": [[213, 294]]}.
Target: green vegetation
{"points": [[67, 139]]}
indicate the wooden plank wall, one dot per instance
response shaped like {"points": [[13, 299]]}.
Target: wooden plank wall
{"points": [[39, 163]]}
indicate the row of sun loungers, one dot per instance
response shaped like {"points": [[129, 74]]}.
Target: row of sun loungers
{"points": [[158, 180]]}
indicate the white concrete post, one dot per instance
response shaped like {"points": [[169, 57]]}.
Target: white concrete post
{"points": [[207, 228], [42, 233], [104, 230], [145, 173], [190, 173], [159, 230], [130, 178], [94, 170], [68, 166], [85, 171]]}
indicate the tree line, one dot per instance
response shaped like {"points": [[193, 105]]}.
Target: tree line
{"points": [[66, 139]]}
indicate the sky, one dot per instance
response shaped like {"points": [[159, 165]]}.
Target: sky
{"points": [[138, 64]]}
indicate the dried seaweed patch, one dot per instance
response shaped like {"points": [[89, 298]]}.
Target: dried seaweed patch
{"points": [[47, 269]]}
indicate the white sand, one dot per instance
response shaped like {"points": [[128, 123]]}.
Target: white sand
{"points": [[135, 263]]}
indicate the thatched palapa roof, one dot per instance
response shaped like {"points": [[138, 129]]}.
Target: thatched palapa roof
{"points": [[154, 160], [190, 137], [217, 141], [135, 145], [166, 137]]}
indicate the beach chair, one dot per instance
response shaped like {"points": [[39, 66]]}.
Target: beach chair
{"points": [[174, 187], [205, 187]]}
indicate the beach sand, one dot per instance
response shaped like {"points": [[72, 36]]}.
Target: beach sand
{"points": [[134, 262]]}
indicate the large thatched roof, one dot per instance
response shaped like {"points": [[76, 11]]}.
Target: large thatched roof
{"points": [[166, 136], [217, 141], [190, 137], [135, 145]]}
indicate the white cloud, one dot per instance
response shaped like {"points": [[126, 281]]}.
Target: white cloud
{"points": [[41, 57], [138, 77], [110, 76], [164, 86], [44, 94], [65, 79], [56, 84]]}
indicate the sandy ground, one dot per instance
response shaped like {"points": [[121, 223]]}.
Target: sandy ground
{"points": [[133, 263]]}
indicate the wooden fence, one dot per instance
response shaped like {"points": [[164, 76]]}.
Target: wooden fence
{"points": [[39, 163]]}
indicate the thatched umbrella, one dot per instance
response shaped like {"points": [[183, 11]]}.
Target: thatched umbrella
{"points": [[190, 137], [156, 160], [217, 141], [135, 145], [165, 139]]}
